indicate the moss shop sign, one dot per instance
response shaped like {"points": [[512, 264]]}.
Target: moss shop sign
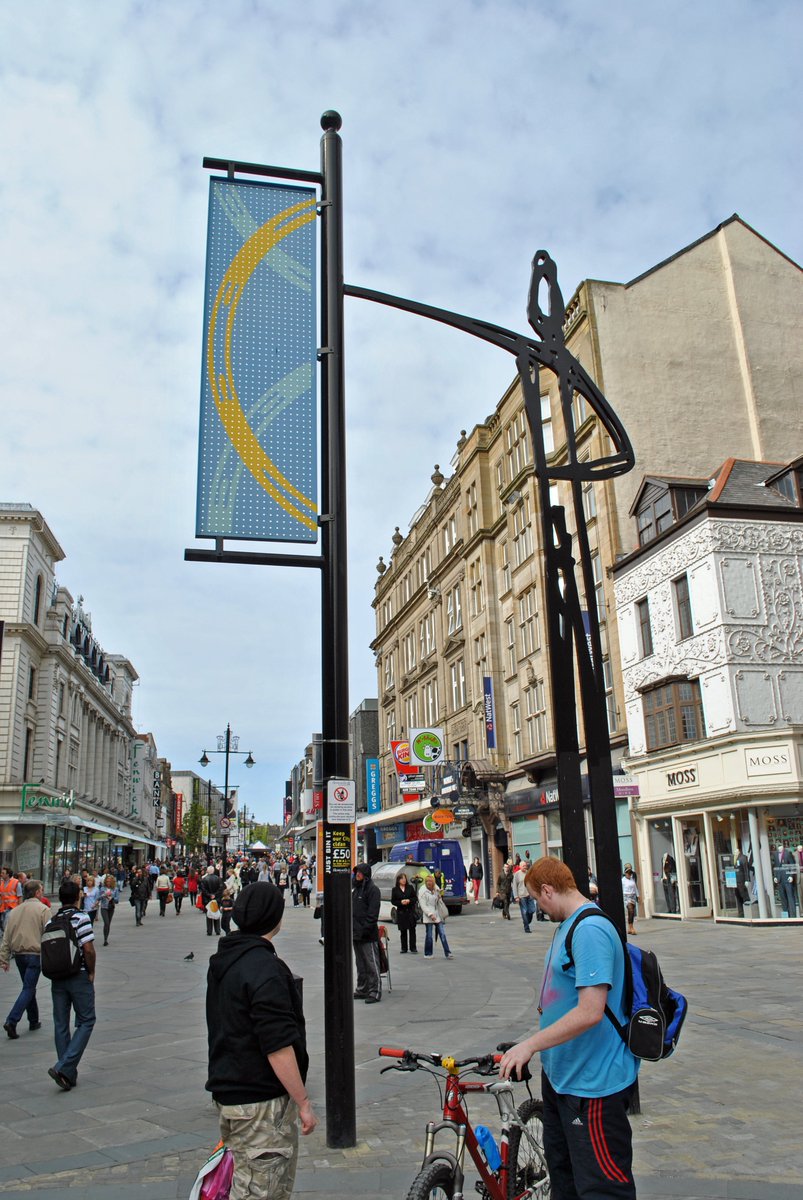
{"points": [[33, 799]]}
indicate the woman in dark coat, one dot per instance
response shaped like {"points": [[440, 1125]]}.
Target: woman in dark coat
{"points": [[504, 889], [404, 900]]}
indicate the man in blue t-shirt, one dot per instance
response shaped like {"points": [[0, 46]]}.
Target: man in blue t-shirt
{"points": [[587, 1070]]}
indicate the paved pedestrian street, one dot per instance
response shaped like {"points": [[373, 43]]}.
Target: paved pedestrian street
{"points": [[722, 1119]]}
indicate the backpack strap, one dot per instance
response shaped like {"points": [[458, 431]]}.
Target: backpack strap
{"points": [[599, 912]]}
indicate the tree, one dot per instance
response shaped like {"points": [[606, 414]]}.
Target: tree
{"points": [[193, 826]]}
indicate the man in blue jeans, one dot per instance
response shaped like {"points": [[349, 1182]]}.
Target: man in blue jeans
{"points": [[526, 902], [22, 937], [76, 992]]}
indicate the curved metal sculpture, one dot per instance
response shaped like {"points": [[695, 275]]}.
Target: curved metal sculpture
{"points": [[572, 635]]}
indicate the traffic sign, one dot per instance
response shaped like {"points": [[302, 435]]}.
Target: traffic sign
{"points": [[224, 824]]}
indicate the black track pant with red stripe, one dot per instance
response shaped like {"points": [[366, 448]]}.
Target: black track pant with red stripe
{"points": [[588, 1145]]}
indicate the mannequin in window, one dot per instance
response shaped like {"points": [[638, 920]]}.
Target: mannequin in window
{"points": [[669, 879], [742, 865], [784, 873]]}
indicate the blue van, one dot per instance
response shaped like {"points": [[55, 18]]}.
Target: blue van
{"points": [[442, 854]]}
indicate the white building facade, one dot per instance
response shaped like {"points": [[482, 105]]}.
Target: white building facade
{"points": [[710, 613]]}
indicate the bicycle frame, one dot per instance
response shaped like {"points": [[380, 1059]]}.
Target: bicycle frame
{"points": [[456, 1120]]}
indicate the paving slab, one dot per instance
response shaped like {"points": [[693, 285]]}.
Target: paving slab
{"points": [[720, 1119]]}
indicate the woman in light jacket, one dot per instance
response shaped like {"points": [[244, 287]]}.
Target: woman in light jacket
{"points": [[162, 890], [429, 898]]}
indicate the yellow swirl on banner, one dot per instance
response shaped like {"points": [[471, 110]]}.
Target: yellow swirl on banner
{"points": [[224, 390]]}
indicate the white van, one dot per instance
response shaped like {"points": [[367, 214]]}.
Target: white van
{"points": [[385, 874]]}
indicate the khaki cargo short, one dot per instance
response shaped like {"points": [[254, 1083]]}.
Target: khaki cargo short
{"points": [[264, 1141]]}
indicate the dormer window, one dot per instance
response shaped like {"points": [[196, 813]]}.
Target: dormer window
{"points": [[654, 517], [662, 504]]}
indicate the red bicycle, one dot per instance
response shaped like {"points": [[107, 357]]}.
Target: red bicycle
{"points": [[514, 1168]]}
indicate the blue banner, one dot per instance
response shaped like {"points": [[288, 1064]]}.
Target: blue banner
{"points": [[372, 785], [489, 711], [257, 458]]}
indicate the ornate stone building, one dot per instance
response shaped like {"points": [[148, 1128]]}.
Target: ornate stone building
{"points": [[66, 735], [709, 609], [700, 357]]}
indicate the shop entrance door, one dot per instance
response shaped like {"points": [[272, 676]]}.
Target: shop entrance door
{"points": [[695, 867]]}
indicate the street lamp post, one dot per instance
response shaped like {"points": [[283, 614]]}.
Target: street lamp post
{"points": [[227, 743]]}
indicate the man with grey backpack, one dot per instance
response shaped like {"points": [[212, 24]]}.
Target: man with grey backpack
{"points": [[68, 961]]}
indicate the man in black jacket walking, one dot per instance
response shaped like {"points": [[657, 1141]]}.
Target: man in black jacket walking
{"points": [[257, 1049], [365, 934]]}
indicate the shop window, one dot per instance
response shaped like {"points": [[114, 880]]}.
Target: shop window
{"points": [[683, 608], [673, 713]]}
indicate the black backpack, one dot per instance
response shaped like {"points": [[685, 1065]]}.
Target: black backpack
{"points": [[61, 954], [654, 1012]]}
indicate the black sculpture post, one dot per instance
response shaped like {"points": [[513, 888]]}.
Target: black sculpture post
{"points": [[568, 644]]}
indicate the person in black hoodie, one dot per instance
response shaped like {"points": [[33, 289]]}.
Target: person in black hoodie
{"points": [[365, 935], [257, 1049]]}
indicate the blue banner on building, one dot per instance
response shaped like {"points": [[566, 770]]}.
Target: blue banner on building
{"points": [[372, 785], [257, 458], [489, 711]]}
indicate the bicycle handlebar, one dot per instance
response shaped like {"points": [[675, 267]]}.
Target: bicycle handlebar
{"points": [[485, 1062]]}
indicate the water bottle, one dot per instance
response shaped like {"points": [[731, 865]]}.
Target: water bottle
{"points": [[488, 1146]]}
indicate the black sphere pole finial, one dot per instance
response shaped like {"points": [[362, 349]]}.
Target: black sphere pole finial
{"points": [[331, 120]]}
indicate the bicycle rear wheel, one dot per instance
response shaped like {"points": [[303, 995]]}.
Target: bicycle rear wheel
{"points": [[528, 1167], [435, 1182]]}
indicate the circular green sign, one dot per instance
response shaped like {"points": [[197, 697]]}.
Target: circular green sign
{"points": [[427, 747]]}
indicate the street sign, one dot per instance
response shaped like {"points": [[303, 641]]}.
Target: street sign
{"points": [[224, 824], [341, 802], [411, 783], [465, 810]]}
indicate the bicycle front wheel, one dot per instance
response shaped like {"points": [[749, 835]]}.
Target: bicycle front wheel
{"points": [[528, 1167], [435, 1182]]}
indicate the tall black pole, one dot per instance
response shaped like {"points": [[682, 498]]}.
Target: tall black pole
{"points": [[208, 820], [341, 1116], [226, 797]]}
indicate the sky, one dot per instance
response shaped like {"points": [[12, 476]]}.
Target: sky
{"points": [[474, 133]]}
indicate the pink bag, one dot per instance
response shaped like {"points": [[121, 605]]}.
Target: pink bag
{"points": [[213, 1181]]}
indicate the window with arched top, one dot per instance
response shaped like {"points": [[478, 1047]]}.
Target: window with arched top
{"points": [[37, 599]]}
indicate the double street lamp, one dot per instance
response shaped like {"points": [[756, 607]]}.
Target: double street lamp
{"points": [[227, 743]]}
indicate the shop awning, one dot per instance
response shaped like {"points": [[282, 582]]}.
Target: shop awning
{"points": [[117, 835], [399, 812]]}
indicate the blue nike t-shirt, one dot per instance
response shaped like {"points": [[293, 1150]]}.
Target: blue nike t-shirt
{"points": [[597, 1063]]}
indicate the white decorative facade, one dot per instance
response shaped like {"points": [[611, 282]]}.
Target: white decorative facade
{"points": [[733, 657]]}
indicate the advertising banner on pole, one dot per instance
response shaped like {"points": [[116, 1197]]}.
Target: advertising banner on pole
{"points": [[489, 711], [257, 458]]}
